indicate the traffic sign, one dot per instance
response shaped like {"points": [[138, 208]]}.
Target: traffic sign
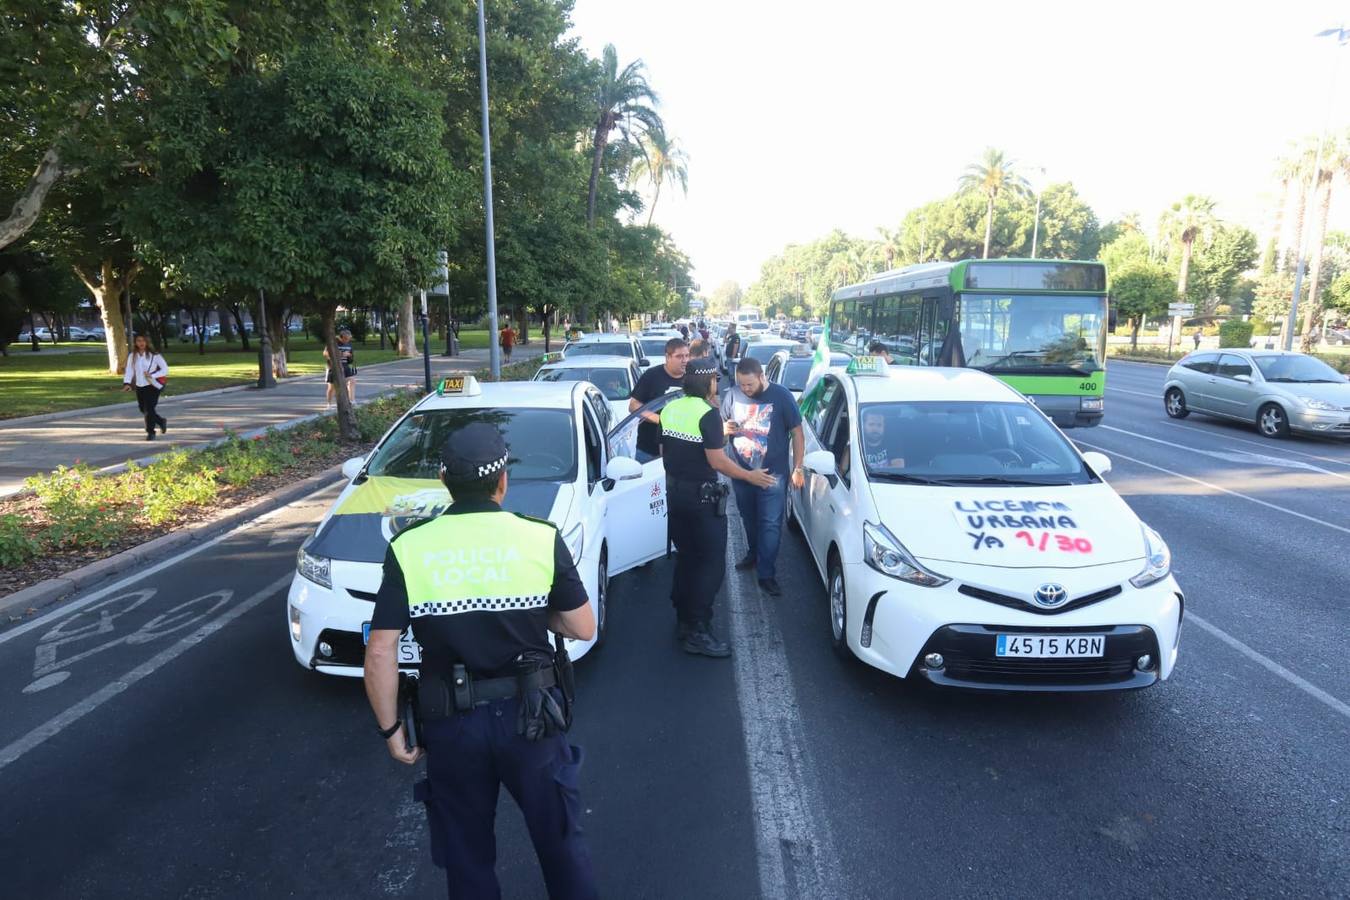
{"points": [[1181, 309], [695, 305]]}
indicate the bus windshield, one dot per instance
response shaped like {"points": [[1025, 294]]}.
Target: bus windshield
{"points": [[1034, 335]]}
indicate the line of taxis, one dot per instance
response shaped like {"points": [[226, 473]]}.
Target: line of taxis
{"points": [[961, 538]]}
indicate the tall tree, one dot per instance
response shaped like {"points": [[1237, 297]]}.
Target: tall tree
{"points": [[622, 97], [1139, 290], [1189, 219], [1335, 162], [992, 176], [662, 160]]}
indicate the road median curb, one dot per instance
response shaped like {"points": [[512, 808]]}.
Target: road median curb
{"points": [[26, 602]]}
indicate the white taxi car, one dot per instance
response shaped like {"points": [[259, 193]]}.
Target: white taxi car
{"points": [[609, 508], [615, 376], [964, 540]]}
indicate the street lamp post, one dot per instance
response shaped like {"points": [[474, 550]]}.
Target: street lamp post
{"points": [[494, 351], [265, 377], [1036, 222], [1342, 35], [426, 342]]}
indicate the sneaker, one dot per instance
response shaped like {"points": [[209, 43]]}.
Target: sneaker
{"points": [[700, 641], [747, 563], [770, 586], [163, 426], [150, 436]]}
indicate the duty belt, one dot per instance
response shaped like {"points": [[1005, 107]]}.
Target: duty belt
{"points": [[693, 485], [469, 692]]}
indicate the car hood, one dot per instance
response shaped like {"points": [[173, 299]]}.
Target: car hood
{"points": [[1071, 526], [367, 516], [1338, 394]]}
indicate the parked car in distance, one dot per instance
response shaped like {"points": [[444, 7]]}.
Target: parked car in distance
{"points": [[1279, 392]]}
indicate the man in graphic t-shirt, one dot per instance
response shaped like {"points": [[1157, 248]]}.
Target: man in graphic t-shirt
{"points": [[760, 419], [880, 450]]}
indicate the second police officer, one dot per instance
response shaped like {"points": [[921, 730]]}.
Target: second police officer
{"points": [[692, 439], [481, 588]]}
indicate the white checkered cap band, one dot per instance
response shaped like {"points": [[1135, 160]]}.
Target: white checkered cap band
{"points": [[484, 471]]}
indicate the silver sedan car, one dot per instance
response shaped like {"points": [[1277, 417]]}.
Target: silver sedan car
{"points": [[1279, 392]]}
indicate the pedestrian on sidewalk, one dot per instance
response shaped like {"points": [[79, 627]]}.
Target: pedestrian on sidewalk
{"points": [[507, 339], [347, 356], [761, 418], [147, 371]]}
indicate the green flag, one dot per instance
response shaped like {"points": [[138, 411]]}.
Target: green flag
{"points": [[820, 361]]}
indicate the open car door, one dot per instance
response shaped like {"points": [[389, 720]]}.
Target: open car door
{"points": [[635, 525]]}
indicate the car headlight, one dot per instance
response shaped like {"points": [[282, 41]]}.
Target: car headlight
{"points": [[1157, 559], [1315, 403], [888, 556], [317, 569], [576, 542]]}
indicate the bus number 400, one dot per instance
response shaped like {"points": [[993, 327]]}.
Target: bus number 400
{"points": [[1089, 386]]}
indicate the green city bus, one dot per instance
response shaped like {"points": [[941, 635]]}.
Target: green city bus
{"points": [[1039, 325]]}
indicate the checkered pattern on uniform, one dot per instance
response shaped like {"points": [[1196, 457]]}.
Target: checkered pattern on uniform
{"points": [[477, 604], [680, 435]]}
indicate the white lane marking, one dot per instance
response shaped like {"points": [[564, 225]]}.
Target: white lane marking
{"points": [[1237, 456], [63, 720], [1302, 684], [1157, 397], [67, 607], [793, 843], [1222, 490]]}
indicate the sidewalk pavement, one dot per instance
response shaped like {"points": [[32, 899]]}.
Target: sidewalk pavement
{"points": [[110, 435]]}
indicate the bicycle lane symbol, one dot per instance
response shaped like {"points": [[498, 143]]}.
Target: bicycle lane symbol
{"points": [[100, 620]]}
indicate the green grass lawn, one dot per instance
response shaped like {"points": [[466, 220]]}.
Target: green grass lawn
{"points": [[33, 383]]}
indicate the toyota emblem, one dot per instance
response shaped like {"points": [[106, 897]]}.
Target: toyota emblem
{"points": [[1051, 596]]}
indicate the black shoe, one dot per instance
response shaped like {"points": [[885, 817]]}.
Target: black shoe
{"points": [[700, 641], [770, 587], [163, 426], [150, 436], [747, 563]]}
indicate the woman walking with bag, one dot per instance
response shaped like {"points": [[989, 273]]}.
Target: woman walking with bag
{"points": [[148, 372]]}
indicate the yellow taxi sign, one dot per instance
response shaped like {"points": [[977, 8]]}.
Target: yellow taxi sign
{"points": [[458, 386], [868, 365]]}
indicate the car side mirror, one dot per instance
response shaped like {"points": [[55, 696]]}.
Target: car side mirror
{"points": [[1245, 379], [820, 462], [352, 467], [1099, 463], [623, 468], [644, 362]]}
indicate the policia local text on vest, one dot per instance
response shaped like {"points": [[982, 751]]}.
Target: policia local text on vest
{"points": [[481, 588]]}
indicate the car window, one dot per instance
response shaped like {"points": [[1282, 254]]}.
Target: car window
{"points": [[1201, 362], [594, 450], [623, 437], [817, 418], [1231, 366], [966, 440], [1290, 368], [838, 442], [601, 408], [541, 443], [599, 348]]}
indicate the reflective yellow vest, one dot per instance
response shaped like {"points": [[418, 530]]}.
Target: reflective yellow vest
{"points": [[680, 418]]}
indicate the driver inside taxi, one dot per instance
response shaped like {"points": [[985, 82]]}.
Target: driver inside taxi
{"points": [[881, 448]]}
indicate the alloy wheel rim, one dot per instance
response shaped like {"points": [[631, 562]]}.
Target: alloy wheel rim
{"points": [[1174, 402], [837, 607], [1270, 421]]}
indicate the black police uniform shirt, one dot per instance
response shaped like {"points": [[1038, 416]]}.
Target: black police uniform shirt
{"points": [[486, 641], [653, 383], [686, 460]]}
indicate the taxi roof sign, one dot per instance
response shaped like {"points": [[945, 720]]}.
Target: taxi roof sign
{"points": [[868, 365], [458, 386]]}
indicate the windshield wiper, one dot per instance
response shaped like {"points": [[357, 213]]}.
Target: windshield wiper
{"points": [[999, 479], [902, 478]]}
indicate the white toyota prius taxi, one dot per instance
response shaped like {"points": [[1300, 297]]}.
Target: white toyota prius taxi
{"points": [[963, 539], [562, 466]]}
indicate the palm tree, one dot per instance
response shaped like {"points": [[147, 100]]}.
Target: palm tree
{"points": [[1190, 218], [991, 176], [622, 98], [1285, 172], [663, 160], [1335, 160]]}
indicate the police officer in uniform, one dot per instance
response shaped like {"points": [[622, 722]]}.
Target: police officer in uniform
{"points": [[692, 438], [481, 588]]}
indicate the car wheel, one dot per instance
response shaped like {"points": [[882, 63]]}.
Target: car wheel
{"points": [[838, 610], [602, 598], [1174, 401], [1272, 422]]}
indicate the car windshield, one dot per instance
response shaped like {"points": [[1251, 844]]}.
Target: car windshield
{"points": [[599, 348], [541, 443], [613, 383], [1296, 368], [763, 350], [1033, 335], [654, 348], [964, 442]]}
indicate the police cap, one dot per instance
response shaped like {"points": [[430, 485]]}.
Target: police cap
{"points": [[473, 452], [701, 365]]}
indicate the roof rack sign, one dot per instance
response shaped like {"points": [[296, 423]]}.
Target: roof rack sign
{"points": [[458, 386], [868, 365]]}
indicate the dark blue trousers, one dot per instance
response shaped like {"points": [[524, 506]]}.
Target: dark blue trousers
{"points": [[469, 755], [762, 515]]}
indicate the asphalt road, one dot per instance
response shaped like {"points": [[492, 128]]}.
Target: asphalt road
{"points": [[158, 739]]}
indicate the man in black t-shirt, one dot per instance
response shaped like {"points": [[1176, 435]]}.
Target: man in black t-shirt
{"points": [[654, 382], [880, 449], [691, 447], [731, 350], [481, 588]]}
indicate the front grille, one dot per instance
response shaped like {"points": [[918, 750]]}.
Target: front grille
{"points": [[1026, 606], [968, 655], [347, 648], [1040, 671]]}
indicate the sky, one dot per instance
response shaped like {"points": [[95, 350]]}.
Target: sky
{"points": [[803, 117]]}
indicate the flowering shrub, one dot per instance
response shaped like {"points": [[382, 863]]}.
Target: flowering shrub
{"points": [[172, 484], [16, 547], [85, 510]]}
